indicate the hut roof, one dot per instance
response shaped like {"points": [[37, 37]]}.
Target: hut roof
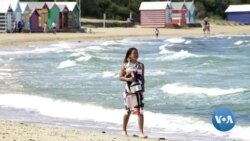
{"points": [[61, 6], [238, 8], [177, 5], [24, 6], [70, 5], [13, 3], [34, 5], [155, 5], [4, 6], [190, 5], [51, 4]]}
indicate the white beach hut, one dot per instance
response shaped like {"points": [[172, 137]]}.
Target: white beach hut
{"points": [[15, 5], [6, 17]]}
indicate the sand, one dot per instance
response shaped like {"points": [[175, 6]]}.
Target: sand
{"points": [[19, 39], [24, 131]]}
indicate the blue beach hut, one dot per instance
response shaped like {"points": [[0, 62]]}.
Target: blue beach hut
{"points": [[239, 13], [191, 12]]}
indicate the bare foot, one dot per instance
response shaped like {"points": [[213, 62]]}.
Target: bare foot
{"points": [[124, 133], [143, 136]]}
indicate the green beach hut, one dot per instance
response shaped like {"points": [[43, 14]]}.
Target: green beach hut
{"points": [[53, 15], [73, 14]]}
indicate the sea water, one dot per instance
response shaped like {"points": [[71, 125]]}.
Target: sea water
{"points": [[76, 84]]}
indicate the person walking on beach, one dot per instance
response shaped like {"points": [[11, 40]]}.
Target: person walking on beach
{"points": [[132, 72], [54, 27], [206, 26], [157, 32]]}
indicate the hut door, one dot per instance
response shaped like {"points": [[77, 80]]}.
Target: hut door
{"points": [[65, 15], [9, 21], [183, 17], [61, 20]]}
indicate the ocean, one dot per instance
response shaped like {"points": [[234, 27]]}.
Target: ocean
{"points": [[76, 84]]}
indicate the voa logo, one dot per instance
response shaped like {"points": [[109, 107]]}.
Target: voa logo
{"points": [[223, 119]]}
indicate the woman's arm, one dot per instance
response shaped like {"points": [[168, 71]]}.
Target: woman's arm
{"points": [[143, 80], [122, 75]]}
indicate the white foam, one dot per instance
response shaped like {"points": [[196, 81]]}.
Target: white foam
{"points": [[80, 56], [183, 54], [239, 42], [83, 58], [165, 123], [62, 45], [175, 40], [94, 48], [108, 74], [66, 64], [155, 73], [179, 89], [107, 43], [4, 74], [188, 42]]}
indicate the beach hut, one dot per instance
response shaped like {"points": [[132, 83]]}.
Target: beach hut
{"points": [[73, 15], [191, 12], [25, 10], [179, 13], [63, 16], [6, 17], [53, 15], [42, 9], [17, 16], [239, 13], [34, 21], [155, 14]]}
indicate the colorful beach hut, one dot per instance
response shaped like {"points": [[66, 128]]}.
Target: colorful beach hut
{"points": [[179, 13], [6, 17], [42, 9], [34, 21], [155, 14], [63, 16], [25, 10], [191, 12], [53, 15], [239, 13], [73, 14]]}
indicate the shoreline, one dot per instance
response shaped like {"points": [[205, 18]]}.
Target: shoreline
{"points": [[28, 131], [24, 39]]}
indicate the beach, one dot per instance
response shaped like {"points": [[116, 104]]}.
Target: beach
{"points": [[23, 131], [18, 39], [50, 80]]}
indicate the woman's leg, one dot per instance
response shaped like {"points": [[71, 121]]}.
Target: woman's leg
{"points": [[141, 124], [125, 123]]}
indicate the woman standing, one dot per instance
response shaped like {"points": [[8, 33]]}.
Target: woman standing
{"points": [[132, 72]]}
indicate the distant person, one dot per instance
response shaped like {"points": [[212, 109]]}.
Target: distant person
{"points": [[14, 26], [19, 26], [157, 32], [132, 72], [54, 27], [206, 26], [22, 25], [45, 28]]}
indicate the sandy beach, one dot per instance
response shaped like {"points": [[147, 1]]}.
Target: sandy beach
{"points": [[17, 39], [23, 131]]}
